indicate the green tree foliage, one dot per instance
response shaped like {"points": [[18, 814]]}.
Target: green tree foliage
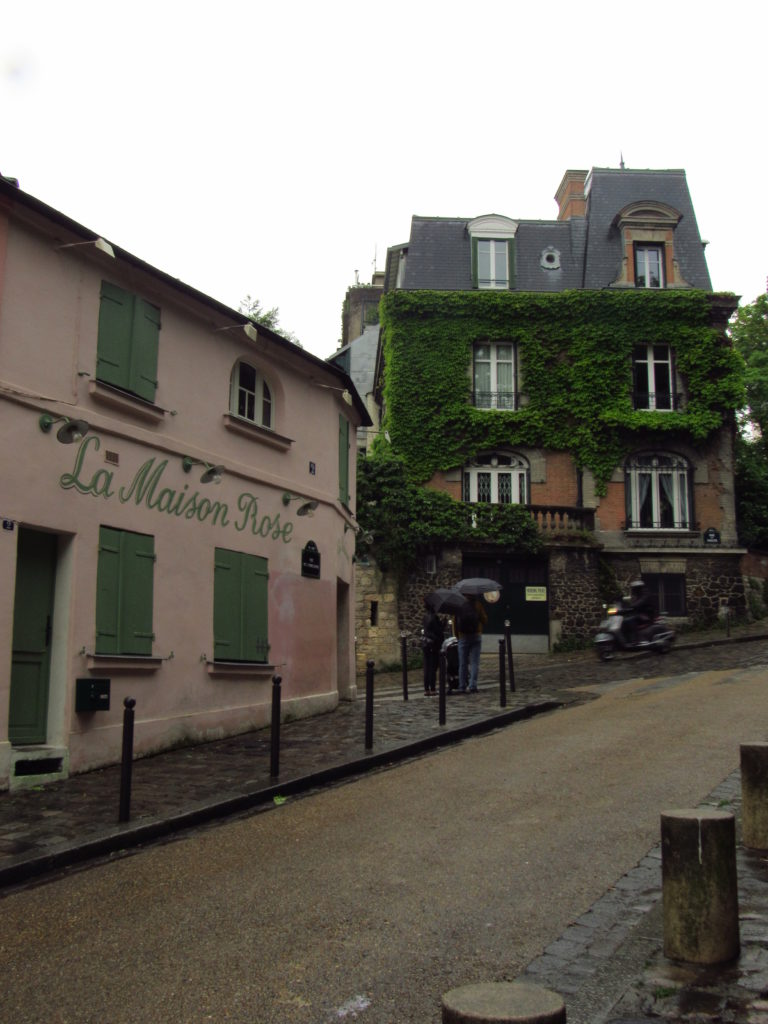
{"points": [[270, 318], [749, 332], [398, 518]]}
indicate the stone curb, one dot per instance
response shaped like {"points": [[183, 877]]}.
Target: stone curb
{"points": [[127, 837]]}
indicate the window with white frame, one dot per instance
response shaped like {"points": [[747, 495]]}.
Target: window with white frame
{"points": [[658, 490], [499, 478], [494, 375], [251, 398], [493, 251], [649, 266], [653, 377], [492, 263]]}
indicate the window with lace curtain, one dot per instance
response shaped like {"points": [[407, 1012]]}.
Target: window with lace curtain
{"points": [[658, 487]]}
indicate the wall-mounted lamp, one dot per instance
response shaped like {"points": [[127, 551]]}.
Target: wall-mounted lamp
{"points": [[211, 474], [98, 243], [69, 431], [249, 329], [303, 510], [346, 394]]}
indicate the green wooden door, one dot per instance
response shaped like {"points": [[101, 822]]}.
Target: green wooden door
{"points": [[32, 622]]}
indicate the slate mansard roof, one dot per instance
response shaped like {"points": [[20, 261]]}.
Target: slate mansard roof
{"points": [[438, 253]]}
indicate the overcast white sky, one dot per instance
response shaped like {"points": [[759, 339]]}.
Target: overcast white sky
{"points": [[276, 148]]}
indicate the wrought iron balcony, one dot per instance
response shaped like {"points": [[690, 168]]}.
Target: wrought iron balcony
{"points": [[660, 401], [507, 400]]}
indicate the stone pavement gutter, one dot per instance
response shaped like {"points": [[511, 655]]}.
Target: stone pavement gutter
{"points": [[74, 820], [52, 827]]}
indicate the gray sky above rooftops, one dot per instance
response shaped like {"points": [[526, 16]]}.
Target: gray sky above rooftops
{"points": [[274, 150]]}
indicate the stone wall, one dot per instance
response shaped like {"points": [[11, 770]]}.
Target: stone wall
{"points": [[575, 606], [712, 581], [377, 634]]}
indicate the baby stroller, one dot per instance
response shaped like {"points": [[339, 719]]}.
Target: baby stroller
{"points": [[450, 649]]}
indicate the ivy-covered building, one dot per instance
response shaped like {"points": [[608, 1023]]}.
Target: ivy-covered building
{"points": [[575, 373]]}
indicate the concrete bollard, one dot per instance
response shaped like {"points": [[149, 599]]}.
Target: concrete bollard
{"points": [[503, 1002], [754, 795], [699, 886]]}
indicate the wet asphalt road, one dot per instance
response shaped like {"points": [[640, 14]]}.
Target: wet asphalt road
{"points": [[368, 900]]}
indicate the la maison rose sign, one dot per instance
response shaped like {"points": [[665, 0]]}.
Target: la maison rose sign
{"points": [[147, 490]]}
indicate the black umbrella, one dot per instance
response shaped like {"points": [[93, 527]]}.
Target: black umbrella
{"points": [[446, 599], [477, 585]]}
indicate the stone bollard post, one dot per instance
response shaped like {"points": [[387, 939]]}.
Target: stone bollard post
{"points": [[754, 795], [699, 886], [503, 1002]]}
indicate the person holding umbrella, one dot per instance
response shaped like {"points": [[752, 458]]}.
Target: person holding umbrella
{"points": [[432, 628], [469, 623], [469, 628]]}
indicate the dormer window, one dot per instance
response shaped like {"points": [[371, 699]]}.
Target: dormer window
{"points": [[649, 266], [492, 263], [648, 260], [493, 252]]}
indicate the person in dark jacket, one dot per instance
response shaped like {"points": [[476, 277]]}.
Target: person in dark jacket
{"points": [[641, 611], [432, 629]]}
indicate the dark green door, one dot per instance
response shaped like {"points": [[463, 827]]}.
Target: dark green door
{"points": [[523, 596], [32, 622]]}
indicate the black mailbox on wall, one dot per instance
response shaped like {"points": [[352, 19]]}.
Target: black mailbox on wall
{"points": [[92, 694]]}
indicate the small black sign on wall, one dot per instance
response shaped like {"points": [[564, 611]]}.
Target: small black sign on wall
{"points": [[310, 560], [711, 536]]}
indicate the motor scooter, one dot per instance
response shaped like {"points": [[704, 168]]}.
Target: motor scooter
{"points": [[657, 636]]}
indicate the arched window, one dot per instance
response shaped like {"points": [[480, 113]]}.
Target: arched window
{"points": [[658, 491], [500, 478], [251, 398]]}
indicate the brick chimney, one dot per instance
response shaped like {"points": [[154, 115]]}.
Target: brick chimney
{"points": [[570, 195]]}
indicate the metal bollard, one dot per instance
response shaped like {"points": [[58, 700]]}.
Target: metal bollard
{"points": [[274, 737], [126, 768], [508, 642], [404, 659], [502, 676], [369, 705], [442, 675]]}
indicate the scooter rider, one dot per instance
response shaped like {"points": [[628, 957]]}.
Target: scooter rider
{"points": [[641, 611]]}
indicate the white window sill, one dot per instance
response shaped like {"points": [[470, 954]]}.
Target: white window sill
{"points": [[256, 433], [122, 663], [117, 399], [240, 669]]}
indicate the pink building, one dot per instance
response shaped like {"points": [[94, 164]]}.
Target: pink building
{"points": [[177, 525]]}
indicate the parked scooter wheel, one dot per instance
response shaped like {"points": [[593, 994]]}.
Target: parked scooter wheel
{"points": [[606, 650]]}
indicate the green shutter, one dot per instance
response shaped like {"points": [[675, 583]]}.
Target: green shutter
{"points": [[511, 262], [114, 343], [129, 330], [240, 620], [255, 578], [146, 332], [124, 593], [108, 592], [226, 605], [343, 459], [138, 566]]}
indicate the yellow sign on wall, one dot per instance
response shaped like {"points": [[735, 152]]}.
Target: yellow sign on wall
{"points": [[535, 593]]}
